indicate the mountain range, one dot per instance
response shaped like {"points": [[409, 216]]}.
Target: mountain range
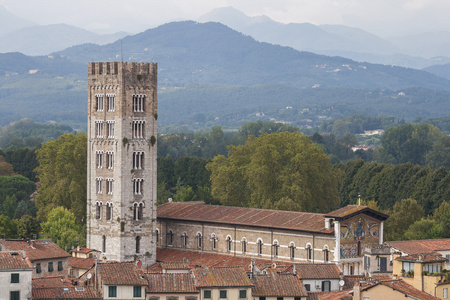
{"points": [[212, 75]]}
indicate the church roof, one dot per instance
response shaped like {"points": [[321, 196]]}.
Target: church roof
{"points": [[351, 210], [230, 215], [419, 246]]}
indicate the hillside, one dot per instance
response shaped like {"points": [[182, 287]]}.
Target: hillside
{"points": [[210, 75], [213, 53]]}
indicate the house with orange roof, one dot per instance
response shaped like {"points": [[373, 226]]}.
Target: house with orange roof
{"points": [[45, 256], [338, 237], [15, 276], [61, 287], [424, 271], [318, 277], [164, 286]]}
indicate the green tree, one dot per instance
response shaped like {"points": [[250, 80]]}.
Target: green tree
{"points": [[63, 177], [25, 207], [276, 171], [440, 155], [424, 229], [8, 227], [61, 226], [404, 214], [27, 227], [10, 206], [408, 143], [6, 169], [442, 215]]}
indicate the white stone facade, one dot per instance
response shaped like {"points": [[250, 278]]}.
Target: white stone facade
{"points": [[122, 130]]}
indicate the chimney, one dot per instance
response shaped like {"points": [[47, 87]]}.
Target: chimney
{"points": [[357, 291], [24, 254]]}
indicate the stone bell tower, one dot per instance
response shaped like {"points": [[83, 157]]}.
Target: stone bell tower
{"points": [[121, 185]]}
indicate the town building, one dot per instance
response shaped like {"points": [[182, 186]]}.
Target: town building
{"points": [[121, 188], [15, 276], [60, 287], [338, 237], [45, 256]]}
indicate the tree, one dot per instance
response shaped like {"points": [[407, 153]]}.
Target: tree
{"points": [[408, 143], [9, 206], [8, 227], [442, 215], [424, 229], [61, 226], [404, 214], [6, 169], [63, 177], [275, 171], [440, 155], [27, 227]]}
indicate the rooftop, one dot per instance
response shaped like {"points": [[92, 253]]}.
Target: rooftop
{"points": [[273, 284], [351, 210], [35, 250], [171, 283], [120, 273], [199, 211], [420, 246], [81, 263], [60, 287], [221, 277], [404, 288], [317, 271], [14, 260], [423, 257]]}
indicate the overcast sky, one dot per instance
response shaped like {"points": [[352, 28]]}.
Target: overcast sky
{"points": [[382, 17]]}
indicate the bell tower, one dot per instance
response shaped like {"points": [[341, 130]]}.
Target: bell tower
{"points": [[121, 185]]}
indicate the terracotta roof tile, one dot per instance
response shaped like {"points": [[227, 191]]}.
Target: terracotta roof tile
{"points": [[337, 295], [350, 280], [35, 250], [311, 222], [221, 277], [51, 281], [171, 283], [420, 246], [273, 284], [195, 258], [83, 250], [85, 293], [425, 257], [14, 260], [81, 263], [120, 273], [317, 271], [404, 288], [175, 265]]}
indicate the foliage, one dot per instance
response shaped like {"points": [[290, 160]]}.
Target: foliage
{"points": [[442, 215], [63, 177], [408, 143], [6, 169], [404, 214], [23, 161], [8, 227], [439, 156], [27, 226], [61, 226], [276, 171], [424, 229]]}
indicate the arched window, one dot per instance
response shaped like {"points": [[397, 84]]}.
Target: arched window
{"points": [[275, 247], [137, 210], [109, 211], [138, 244], [259, 246], [170, 237], [199, 240], [228, 243], [213, 241], [104, 244], [98, 210], [244, 245], [308, 252], [326, 253], [292, 250], [184, 238]]}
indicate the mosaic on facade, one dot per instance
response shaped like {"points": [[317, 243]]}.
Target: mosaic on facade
{"points": [[357, 232]]}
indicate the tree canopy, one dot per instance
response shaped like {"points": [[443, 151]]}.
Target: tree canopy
{"points": [[275, 171], [63, 176]]}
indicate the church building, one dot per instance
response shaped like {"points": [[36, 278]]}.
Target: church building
{"points": [[121, 189], [337, 237]]}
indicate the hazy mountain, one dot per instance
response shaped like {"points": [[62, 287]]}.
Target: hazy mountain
{"points": [[337, 40], [10, 22], [42, 40], [440, 70], [209, 68], [213, 53], [429, 44]]}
